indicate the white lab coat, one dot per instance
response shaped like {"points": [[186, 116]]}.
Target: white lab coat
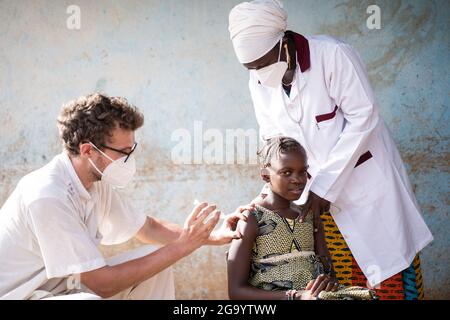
{"points": [[332, 112]]}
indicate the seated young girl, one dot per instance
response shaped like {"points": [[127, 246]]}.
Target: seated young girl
{"points": [[279, 255]]}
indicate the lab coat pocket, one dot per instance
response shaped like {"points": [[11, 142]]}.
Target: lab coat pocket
{"points": [[366, 182], [325, 119]]}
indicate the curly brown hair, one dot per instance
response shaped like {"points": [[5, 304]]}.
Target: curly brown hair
{"points": [[93, 118]]}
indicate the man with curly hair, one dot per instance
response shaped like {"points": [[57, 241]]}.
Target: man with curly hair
{"points": [[53, 222]]}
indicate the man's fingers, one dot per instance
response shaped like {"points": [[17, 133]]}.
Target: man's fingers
{"points": [[193, 215], [235, 217], [247, 207], [234, 235], [241, 215], [229, 235], [204, 213], [211, 223]]}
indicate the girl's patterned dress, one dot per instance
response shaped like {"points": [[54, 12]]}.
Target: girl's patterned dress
{"points": [[283, 256]]}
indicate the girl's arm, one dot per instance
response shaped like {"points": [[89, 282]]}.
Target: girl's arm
{"points": [[239, 257]]}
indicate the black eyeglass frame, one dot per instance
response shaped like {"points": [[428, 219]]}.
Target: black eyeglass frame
{"points": [[128, 154]]}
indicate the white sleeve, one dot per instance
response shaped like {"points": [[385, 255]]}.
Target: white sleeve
{"points": [[121, 222], [64, 241], [350, 88], [266, 127]]}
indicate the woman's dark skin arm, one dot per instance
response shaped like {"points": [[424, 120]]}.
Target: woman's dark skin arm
{"points": [[321, 249], [238, 259]]}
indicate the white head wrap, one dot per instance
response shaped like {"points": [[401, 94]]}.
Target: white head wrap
{"points": [[256, 27]]}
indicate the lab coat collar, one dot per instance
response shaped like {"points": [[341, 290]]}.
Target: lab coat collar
{"points": [[75, 180], [298, 83], [302, 48]]}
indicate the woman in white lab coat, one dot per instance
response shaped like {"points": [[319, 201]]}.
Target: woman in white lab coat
{"points": [[315, 89]]}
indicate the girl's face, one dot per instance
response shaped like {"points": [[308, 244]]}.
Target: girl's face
{"points": [[287, 175]]}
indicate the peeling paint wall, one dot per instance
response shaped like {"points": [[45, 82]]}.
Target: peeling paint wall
{"points": [[174, 60]]}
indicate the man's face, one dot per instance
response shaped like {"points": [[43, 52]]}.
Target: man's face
{"points": [[288, 175], [121, 139]]}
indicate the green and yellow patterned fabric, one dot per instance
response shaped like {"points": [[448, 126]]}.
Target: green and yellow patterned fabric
{"points": [[283, 256]]}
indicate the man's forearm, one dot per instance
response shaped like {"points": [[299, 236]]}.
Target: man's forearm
{"points": [[110, 280], [157, 230]]}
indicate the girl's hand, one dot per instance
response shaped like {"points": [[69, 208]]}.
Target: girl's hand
{"points": [[306, 294], [333, 285], [321, 283]]}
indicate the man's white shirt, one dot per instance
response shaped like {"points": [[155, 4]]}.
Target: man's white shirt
{"points": [[51, 226]]}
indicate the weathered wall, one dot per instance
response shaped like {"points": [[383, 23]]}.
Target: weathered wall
{"points": [[174, 60]]}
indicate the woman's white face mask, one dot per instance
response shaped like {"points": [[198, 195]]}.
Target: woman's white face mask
{"points": [[118, 173], [272, 75]]}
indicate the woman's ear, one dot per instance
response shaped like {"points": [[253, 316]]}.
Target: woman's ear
{"points": [[265, 175]]}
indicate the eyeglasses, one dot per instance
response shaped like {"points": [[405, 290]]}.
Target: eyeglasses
{"points": [[128, 154]]}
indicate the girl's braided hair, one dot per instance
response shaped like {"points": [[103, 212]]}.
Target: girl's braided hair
{"points": [[273, 147]]}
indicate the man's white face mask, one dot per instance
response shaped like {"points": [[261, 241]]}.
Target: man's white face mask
{"points": [[272, 75], [119, 172]]}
